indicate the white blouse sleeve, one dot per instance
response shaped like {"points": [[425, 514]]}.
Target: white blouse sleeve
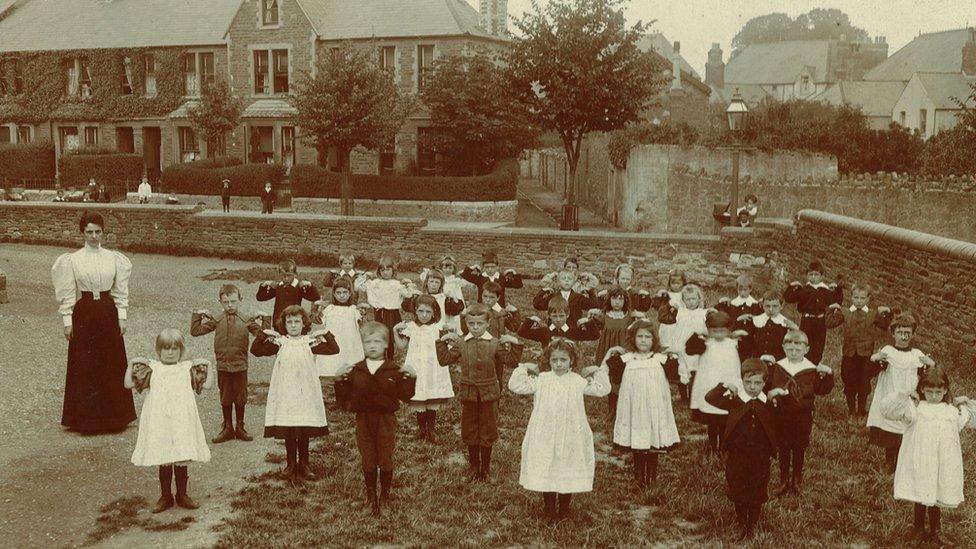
{"points": [[63, 277], [370, 288], [521, 383], [965, 417], [120, 287], [898, 407], [598, 385]]}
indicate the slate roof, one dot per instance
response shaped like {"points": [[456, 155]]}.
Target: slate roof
{"points": [[269, 108], [874, 98], [48, 25], [942, 87], [932, 52], [753, 95], [779, 62], [659, 43], [356, 19], [183, 111]]}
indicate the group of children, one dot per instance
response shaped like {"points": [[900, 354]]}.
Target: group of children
{"points": [[748, 373]]}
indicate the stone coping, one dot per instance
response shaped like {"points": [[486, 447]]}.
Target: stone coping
{"points": [[556, 234], [101, 206], [915, 240], [366, 201], [318, 218]]}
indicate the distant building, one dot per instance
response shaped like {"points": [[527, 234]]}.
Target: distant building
{"points": [[875, 99], [685, 97], [798, 69], [928, 103]]}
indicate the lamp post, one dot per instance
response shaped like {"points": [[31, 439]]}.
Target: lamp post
{"points": [[736, 112]]}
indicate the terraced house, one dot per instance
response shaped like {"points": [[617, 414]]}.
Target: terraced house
{"points": [[123, 74]]}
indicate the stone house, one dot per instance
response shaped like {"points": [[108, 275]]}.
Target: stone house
{"points": [[123, 74], [685, 97]]}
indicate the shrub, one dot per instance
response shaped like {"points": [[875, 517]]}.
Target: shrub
{"points": [[205, 177], [950, 152], [314, 182], [27, 161], [623, 141], [103, 165]]}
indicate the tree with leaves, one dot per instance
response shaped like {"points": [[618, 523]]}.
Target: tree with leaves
{"points": [[579, 70], [350, 102], [218, 112], [817, 24], [476, 118]]}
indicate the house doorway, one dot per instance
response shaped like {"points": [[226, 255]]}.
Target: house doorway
{"points": [[152, 147]]}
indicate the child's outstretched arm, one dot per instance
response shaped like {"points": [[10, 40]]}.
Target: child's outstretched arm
{"points": [[899, 407], [127, 381], [597, 382], [825, 380], [263, 345], [211, 373], [448, 353], [834, 316], [266, 291], [406, 385], [722, 396], [326, 345], [541, 300], [533, 329], [522, 382], [401, 340], [201, 323], [310, 292], [510, 279]]}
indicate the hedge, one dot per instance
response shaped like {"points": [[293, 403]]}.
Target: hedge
{"points": [[103, 166], [311, 181], [205, 177], [27, 161]]}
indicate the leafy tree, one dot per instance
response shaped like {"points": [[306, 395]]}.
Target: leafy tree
{"points": [[950, 152], [967, 114], [578, 68], [350, 102], [475, 115], [817, 24], [219, 112]]}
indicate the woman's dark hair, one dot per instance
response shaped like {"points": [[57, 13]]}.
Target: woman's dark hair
{"points": [[560, 344], [642, 324], [94, 218], [344, 283], [617, 291], [293, 310], [933, 376]]}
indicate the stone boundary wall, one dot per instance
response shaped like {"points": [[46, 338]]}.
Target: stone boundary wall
{"points": [[192, 230]]}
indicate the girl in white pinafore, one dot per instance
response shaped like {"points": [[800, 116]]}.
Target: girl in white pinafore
{"points": [[433, 388], [557, 451], [930, 467], [718, 363], [689, 320], [341, 318], [170, 432]]}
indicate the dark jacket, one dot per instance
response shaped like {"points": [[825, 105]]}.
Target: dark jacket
{"points": [[767, 340], [812, 301], [578, 303], [286, 295], [231, 338], [588, 331], [862, 331], [479, 361], [803, 388], [735, 311], [737, 436], [264, 346], [453, 306], [505, 280], [380, 392]]}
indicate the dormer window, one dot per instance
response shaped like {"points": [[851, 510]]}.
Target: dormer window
{"points": [[269, 13]]}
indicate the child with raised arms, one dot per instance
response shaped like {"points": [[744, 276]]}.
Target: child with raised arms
{"points": [[170, 433], [585, 329], [419, 337], [557, 451], [448, 307], [678, 322], [385, 294], [645, 420], [767, 330], [295, 409], [341, 318], [489, 271], [289, 290], [812, 300], [899, 366]]}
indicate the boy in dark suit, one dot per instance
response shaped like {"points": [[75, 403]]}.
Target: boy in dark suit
{"points": [[578, 303], [488, 272], [862, 329], [812, 300], [584, 329], [766, 331], [374, 388], [750, 440], [268, 199], [501, 320], [288, 291]]}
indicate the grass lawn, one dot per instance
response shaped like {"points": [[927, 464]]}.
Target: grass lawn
{"points": [[847, 499]]}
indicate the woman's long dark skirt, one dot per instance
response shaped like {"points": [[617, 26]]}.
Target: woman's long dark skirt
{"points": [[94, 398]]}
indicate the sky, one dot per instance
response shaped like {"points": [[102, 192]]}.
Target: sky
{"points": [[699, 23]]}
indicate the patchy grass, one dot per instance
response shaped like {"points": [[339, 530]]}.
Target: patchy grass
{"points": [[847, 499], [124, 513]]}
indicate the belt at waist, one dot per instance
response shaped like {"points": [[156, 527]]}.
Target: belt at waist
{"points": [[807, 315], [96, 297]]}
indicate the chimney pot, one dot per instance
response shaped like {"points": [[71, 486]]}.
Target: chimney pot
{"points": [[677, 47]]}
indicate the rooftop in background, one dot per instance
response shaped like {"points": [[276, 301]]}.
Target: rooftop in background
{"points": [[665, 48], [876, 99], [49, 25], [779, 62], [933, 52], [753, 95], [352, 19], [943, 88]]}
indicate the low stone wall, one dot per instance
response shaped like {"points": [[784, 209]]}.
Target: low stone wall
{"points": [[495, 212]]}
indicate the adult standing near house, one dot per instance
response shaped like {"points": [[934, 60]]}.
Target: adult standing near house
{"points": [[267, 199], [145, 191], [225, 195], [92, 288]]}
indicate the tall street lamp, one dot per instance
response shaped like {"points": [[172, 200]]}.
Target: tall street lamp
{"points": [[736, 112]]}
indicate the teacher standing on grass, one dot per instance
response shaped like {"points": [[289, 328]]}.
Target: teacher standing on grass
{"points": [[92, 288]]}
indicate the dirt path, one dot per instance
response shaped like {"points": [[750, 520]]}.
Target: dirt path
{"points": [[54, 483]]}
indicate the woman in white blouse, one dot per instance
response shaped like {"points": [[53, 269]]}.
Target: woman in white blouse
{"points": [[92, 287]]}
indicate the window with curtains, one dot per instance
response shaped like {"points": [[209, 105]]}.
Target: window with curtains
{"points": [[270, 72], [426, 155], [262, 83], [71, 76], [189, 149], [280, 63], [388, 59], [91, 136], [425, 65], [126, 75], [269, 13], [208, 72], [24, 134], [190, 86], [149, 63], [288, 146]]}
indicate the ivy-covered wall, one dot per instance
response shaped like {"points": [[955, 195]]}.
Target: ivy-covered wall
{"points": [[45, 84]]}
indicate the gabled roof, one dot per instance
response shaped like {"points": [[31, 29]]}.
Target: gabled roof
{"points": [[779, 62], [932, 52], [659, 43], [876, 99], [752, 94], [357, 19], [49, 25], [942, 87]]}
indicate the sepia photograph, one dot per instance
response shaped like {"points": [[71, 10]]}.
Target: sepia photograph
{"points": [[487, 273]]}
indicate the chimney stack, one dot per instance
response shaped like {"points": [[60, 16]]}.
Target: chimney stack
{"points": [[969, 54], [494, 16], [715, 67], [676, 67]]}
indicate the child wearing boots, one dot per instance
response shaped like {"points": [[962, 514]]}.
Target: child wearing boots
{"points": [[374, 389], [557, 451], [295, 411], [812, 300], [480, 357], [170, 433], [793, 386], [749, 441], [232, 338], [862, 329]]}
